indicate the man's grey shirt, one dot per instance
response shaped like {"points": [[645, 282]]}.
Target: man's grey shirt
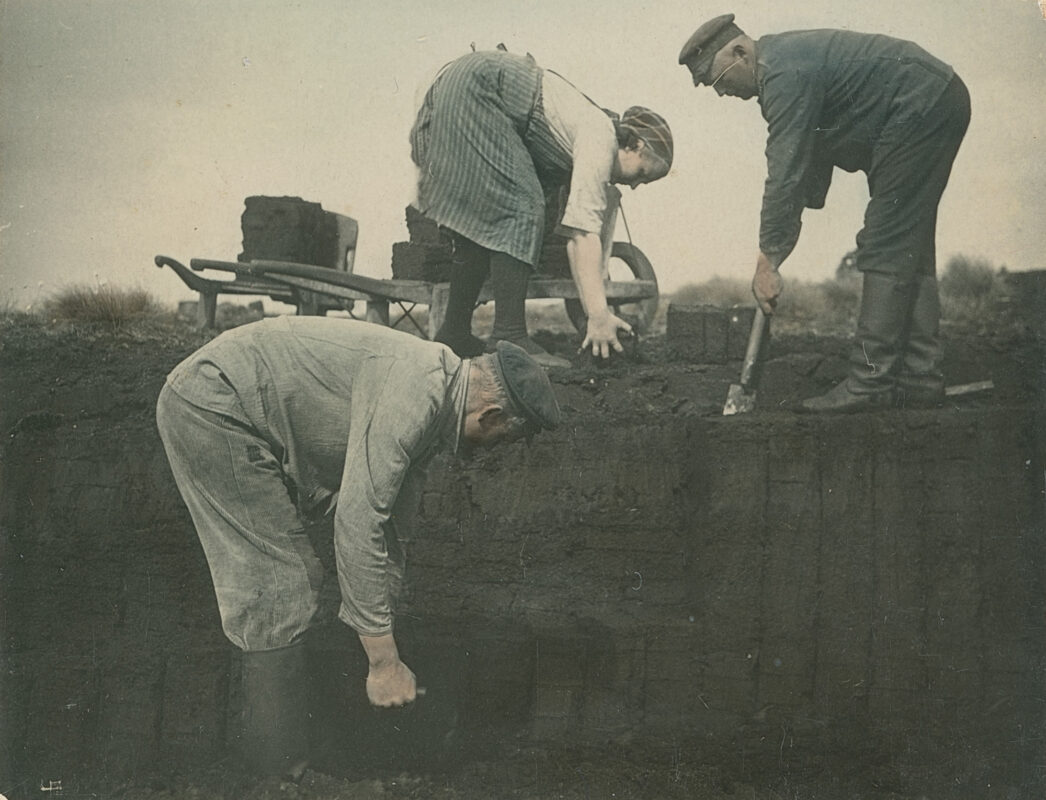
{"points": [[833, 98], [354, 412]]}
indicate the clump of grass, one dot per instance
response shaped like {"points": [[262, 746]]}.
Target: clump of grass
{"points": [[829, 307], [971, 290], [110, 306], [966, 277]]}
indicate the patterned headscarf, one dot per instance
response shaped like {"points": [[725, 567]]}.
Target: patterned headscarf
{"points": [[652, 129]]}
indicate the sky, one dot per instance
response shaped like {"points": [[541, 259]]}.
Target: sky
{"points": [[130, 128]]}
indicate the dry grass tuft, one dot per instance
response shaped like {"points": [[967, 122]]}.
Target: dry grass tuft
{"points": [[972, 290], [966, 277], [112, 307]]}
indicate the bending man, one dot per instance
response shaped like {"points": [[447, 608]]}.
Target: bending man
{"points": [[293, 418], [886, 107]]}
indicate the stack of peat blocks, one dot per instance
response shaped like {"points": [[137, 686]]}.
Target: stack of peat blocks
{"points": [[288, 229]]}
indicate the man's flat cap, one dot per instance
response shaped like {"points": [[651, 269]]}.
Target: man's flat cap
{"points": [[527, 386], [709, 39]]}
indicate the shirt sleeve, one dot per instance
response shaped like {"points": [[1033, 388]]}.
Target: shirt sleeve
{"points": [[389, 445], [791, 104], [594, 151]]}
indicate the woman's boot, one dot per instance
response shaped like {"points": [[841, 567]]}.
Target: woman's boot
{"points": [[470, 268], [509, 277]]}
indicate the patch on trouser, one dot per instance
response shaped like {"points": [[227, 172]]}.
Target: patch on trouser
{"points": [[265, 572]]}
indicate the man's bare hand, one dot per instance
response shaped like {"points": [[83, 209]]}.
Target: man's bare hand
{"points": [[391, 686], [601, 334], [390, 682], [766, 285]]}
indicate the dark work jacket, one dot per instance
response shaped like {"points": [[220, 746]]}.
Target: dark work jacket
{"points": [[833, 98]]}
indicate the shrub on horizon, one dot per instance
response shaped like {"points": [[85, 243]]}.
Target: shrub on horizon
{"points": [[966, 277], [971, 289], [716, 291]]}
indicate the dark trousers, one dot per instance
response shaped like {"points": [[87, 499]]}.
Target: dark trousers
{"points": [[897, 345], [908, 175]]}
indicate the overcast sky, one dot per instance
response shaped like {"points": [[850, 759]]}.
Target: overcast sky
{"points": [[137, 127]]}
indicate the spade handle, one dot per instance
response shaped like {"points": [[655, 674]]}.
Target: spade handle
{"points": [[755, 342]]}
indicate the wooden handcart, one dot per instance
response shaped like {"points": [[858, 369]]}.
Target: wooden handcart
{"points": [[631, 286]]}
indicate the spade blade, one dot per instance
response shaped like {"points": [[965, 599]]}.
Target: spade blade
{"points": [[739, 400]]}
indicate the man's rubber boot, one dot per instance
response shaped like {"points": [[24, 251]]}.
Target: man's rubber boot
{"points": [[471, 266], [275, 738], [876, 353], [920, 383]]}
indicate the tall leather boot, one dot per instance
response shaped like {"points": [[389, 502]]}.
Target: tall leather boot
{"points": [[471, 266], [274, 738], [508, 278], [920, 383], [878, 345]]}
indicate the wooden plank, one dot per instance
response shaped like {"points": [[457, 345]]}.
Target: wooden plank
{"points": [[566, 289], [621, 291]]}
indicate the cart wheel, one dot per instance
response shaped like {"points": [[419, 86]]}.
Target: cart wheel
{"points": [[624, 255]]}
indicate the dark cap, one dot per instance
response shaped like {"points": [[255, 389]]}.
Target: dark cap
{"points": [[709, 39], [527, 386]]}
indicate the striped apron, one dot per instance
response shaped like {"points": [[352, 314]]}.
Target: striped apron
{"points": [[486, 153]]}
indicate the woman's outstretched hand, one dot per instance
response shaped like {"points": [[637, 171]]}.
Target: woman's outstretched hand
{"points": [[602, 332]]}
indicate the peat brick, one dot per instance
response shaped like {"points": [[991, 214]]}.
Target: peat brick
{"points": [[288, 229], [422, 262], [422, 229], [706, 334]]}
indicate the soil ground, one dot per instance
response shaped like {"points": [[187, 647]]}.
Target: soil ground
{"points": [[648, 381]]}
